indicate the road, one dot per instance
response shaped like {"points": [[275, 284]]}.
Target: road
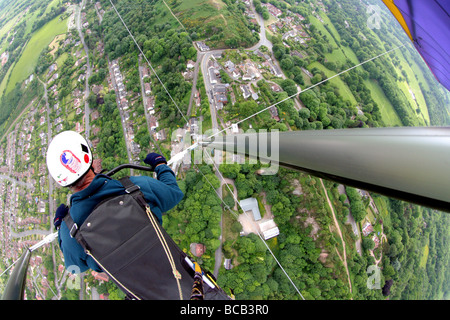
{"points": [[218, 253], [205, 56], [194, 83], [100, 18], [202, 60], [121, 112], [51, 201], [87, 110], [15, 181], [263, 41], [344, 255], [143, 95]]}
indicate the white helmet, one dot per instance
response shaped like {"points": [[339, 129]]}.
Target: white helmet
{"points": [[68, 157]]}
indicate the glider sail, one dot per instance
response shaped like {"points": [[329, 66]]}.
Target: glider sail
{"points": [[427, 24]]}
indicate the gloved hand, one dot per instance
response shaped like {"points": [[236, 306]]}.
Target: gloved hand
{"points": [[59, 215], [153, 159]]}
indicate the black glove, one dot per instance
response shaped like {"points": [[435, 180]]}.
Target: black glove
{"points": [[59, 215], [153, 159]]}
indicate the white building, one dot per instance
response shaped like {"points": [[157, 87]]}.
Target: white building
{"points": [[251, 204], [269, 229]]}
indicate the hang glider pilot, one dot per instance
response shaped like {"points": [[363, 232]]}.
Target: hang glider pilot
{"points": [[69, 161]]}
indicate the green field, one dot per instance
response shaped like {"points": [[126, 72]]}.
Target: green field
{"points": [[38, 42], [414, 77], [212, 20], [405, 66], [424, 258], [6, 27], [60, 60], [390, 117], [193, 14], [340, 53], [321, 28]]}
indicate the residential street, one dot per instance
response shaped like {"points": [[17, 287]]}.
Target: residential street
{"points": [[112, 75], [87, 110], [202, 60], [146, 112]]}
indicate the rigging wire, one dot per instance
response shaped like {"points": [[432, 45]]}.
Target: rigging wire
{"points": [[310, 87], [145, 57], [168, 93], [123, 22], [226, 206], [256, 230], [10, 266]]}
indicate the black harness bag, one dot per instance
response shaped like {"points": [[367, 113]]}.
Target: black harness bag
{"points": [[126, 240]]}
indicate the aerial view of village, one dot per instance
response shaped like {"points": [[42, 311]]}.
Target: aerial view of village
{"points": [[183, 70]]}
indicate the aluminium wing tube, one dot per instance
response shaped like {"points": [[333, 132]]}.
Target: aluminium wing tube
{"points": [[16, 284], [407, 163]]}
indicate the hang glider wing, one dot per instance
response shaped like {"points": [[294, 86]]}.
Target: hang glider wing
{"points": [[427, 24]]}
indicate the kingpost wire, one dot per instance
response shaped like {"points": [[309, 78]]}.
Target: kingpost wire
{"points": [[145, 57], [310, 87]]}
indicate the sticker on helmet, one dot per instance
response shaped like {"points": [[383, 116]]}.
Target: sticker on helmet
{"points": [[84, 148], [70, 161], [61, 181]]}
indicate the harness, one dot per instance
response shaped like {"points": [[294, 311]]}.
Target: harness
{"points": [[125, 239]]}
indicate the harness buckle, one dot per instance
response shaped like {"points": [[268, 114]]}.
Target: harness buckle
{"points": [[132, 189], [73, 230]]}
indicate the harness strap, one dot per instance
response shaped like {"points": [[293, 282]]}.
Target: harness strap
{"points": [[197, 288], [73, 231], [135, 192]]}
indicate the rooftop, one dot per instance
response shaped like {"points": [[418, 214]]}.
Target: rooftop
{"points": [[251, 204]]}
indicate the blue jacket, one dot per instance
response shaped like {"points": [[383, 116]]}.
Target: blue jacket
{"points": [[162, 195]]}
